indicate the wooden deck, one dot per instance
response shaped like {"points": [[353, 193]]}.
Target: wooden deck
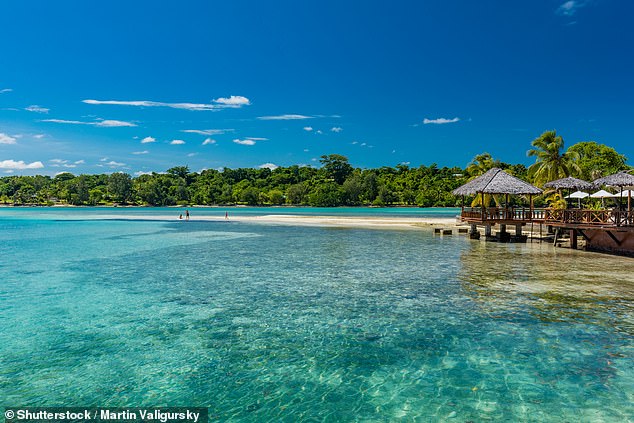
{"points": [[565, 218]]}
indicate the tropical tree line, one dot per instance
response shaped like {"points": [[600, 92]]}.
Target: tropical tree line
{"points": [[335, 183]]}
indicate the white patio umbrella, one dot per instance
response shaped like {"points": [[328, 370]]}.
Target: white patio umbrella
{"points": [[602, 194], [624, 194], [578, 195]]}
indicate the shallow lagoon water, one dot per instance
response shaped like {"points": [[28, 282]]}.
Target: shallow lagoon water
{"points": [[283, 323]]}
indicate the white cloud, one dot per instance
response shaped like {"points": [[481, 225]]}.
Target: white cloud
{"points": [[570, 7], [112, 163], [285, 117], [440, 121], [207, 131], [209, 141], [336, 129], [140, 172], [177, 142], [234, 100], [58, 161], [103, 159], [148, 140], [20, 165], [191, 154], [78, 162], [113, 123], [308, 128], [140, 152], [244, 142], [5, 90], [306, 150], [268, 166], [9, 171], [319, 131], [6, 139], [220, 103], [103, 123], [257, 139], [37, 109], [39, 136], [354, 142]]}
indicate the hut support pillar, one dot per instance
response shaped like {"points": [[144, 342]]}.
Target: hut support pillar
{"points": [[487, 230], [473, 232], [573, 239], [518, 230]]}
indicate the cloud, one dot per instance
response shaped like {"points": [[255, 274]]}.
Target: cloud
{"points": [[268, 166], [257, 139], [570, 7], [207, 131], [6, 139], [177, 142], [308, 128], [113, 123], [58, 161], [285, 117], [336, 129], [244, 142], [234, 100], [440, 121], [113, 164], [102, 123], [103, 159], [140, 152], [191, 154], [319, 132], [140, 172], [80, 162], [148, 140], [37, 109], [220, 103], [209, 141], [20, 165], [39, 136], [5, 90]]}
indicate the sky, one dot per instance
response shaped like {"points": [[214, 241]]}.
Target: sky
{"points": [[142, 86]]}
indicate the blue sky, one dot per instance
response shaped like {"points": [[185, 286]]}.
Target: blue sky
{"points": [[141, 86]]}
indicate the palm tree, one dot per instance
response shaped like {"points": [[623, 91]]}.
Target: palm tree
{"points": [[479, 166], [551, 163]]}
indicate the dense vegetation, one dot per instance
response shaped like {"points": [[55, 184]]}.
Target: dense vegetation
{"points": [[335, 183]]}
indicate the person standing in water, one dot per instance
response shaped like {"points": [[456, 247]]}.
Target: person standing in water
{"points": [[186, 214], [226, 215]]}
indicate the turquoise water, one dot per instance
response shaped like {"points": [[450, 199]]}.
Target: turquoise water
{"points": [[282, 323]]}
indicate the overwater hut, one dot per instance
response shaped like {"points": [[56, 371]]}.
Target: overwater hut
{"points": [[619, 180], [569, 183], [497, 182]]}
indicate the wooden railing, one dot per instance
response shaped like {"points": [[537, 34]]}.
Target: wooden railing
{"points": [[590, 217], [519, 214], [549, 216]]}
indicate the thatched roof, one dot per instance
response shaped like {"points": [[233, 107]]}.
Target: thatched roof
{"points": [[621, 179], [569, 183], [496, 181]]}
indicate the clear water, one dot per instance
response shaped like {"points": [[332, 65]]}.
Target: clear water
{"points": [[281, 323]]}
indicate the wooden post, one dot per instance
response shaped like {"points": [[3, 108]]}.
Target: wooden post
{"points": [[573, 239], [518, 230], [487, 230]]}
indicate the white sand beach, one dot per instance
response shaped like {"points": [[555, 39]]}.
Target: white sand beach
{"points": [[327, 221]]}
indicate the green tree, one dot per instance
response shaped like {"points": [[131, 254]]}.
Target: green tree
{"points": [[336, 167], [597, 160], [120, 187], [551, 161]]}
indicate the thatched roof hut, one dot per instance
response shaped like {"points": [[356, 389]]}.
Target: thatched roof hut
{"points": [[621, 179], [569, 183], [497, 181]]}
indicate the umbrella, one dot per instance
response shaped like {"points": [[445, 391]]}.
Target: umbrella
{"points": [[603, 194], [623, 194], [578, 195]]}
